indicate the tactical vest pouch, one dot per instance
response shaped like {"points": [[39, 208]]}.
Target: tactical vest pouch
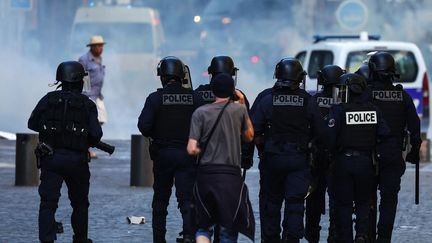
{"points": [[76, 125], [64, 123]]}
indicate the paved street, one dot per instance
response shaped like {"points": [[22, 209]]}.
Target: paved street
{"points": [[112, 200]]}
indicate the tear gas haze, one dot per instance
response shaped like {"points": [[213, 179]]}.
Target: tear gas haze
{"points": [[255, 33]]}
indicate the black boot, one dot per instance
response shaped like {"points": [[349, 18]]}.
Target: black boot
{"points": [[59, 226], [361, 239], [289, 239], [383, 240], [83, 241]]}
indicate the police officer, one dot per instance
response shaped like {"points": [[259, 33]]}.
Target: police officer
{"points": [[288, 117], [400, 113], [355, 126], [261, 155], [165, 119], [67, 124], [364, 72], [328, 77]]}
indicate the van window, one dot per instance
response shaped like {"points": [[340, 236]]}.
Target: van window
{"points": [[318, 60], [301, 57], [406, 64], [121, 37]]}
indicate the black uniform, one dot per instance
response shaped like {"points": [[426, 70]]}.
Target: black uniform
{"points": [[165, 118], [260, 147], [67, 122], [355, 127], [294, 117], [206, 94], [321, 174], [400, 113]]}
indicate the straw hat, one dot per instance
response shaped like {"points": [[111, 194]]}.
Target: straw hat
{"points": [[96, 40]]}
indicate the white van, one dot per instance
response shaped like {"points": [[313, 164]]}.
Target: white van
{"points": [[349, 52]]}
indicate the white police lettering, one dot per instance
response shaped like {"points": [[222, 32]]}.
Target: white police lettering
{"points": [[287, 100], [177, 99], [207, 95], [361, 117], [325, 102], [387, 95]]}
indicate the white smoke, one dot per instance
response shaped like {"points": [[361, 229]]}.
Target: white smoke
{"points": [[26, 70]]}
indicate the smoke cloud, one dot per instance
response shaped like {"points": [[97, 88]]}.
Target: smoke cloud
{"points": [[257, 34]]}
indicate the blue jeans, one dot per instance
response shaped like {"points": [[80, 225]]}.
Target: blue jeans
{"points": [[226, 235]]}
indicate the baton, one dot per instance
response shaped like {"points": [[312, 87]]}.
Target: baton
{"points": [[417, 183]]}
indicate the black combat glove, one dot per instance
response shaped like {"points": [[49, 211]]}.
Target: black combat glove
{"points": [[246, 162], [413, 156], [247, 151]]}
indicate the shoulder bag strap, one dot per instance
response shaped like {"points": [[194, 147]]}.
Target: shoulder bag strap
{"points": [[204, 145]]}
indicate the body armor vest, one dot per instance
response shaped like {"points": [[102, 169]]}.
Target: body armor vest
{"points": [[390, 101], [173, 118], [289, 119], [205, 92], [65, 123], [358, 130], [324, 102]]}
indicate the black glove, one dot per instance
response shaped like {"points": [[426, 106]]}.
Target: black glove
{"points": [[247, 152], [246, 162], [413, 156]]}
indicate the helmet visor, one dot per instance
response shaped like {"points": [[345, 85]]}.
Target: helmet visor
{"points": [[340, 94]]}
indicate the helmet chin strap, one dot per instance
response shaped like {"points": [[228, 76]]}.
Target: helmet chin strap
{"points": [[53, 84]]}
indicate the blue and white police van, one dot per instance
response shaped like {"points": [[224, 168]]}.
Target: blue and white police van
{"points": [[350, 52]]}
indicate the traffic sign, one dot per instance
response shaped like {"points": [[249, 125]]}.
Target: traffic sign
{"points": [[352, 14]]}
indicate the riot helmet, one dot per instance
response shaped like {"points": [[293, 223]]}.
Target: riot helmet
{"points": [[71, 74], [382, 66], [169, 68], [350, 84], [364, 71], [222, 64], [289, 71], [70, 71], [329, 75]]}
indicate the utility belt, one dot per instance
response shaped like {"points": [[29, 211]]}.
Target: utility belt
{"points": [[162, 143], [354, 153], [157, 144], [44, 150]]}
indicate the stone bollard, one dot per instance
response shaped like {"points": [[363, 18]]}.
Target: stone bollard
{"points": [[26, 172], [141, 173]]}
